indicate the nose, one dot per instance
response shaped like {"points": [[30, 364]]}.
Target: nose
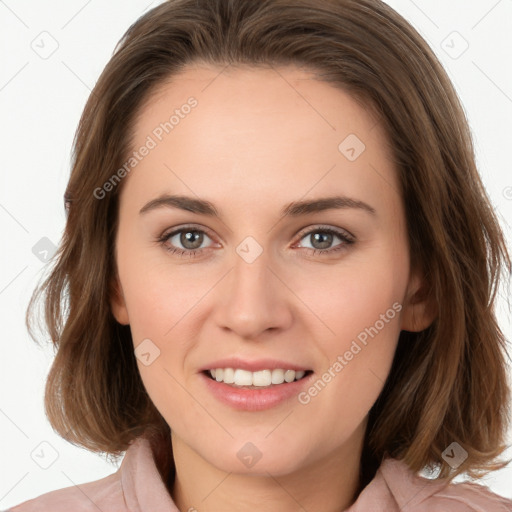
{"points": [[253, 299]]}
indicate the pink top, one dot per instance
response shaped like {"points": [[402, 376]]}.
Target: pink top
{"points": [[137, 487]]}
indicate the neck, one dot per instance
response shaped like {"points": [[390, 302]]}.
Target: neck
{"points": [[328, 484]]}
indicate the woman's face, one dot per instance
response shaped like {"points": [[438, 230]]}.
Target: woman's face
{"points": [[291, 253]]}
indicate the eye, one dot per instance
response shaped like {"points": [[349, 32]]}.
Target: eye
{"points": [[190, 239], [321, 239]]}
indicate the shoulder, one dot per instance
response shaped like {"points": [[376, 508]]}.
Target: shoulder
{"points": [[136, 485], [103, 494], [418, 494]]}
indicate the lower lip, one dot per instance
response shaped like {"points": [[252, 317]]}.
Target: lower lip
{"points": [[245, 399]]}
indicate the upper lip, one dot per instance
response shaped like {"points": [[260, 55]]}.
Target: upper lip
{"points": [[253, 365]]}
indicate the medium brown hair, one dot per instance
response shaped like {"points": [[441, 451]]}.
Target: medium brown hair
{"points": [[448, 383]]}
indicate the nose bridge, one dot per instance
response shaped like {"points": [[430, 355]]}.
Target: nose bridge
{"points": [[251, 273], [255, 300], [251, 280]]}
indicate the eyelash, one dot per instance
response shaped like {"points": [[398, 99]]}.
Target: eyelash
{"points": [[343, 236]]}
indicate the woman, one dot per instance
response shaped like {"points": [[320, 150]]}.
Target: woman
{"points": [[276, 283]]}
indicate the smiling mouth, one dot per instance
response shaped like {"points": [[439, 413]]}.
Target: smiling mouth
{"points": [[262, 379]]}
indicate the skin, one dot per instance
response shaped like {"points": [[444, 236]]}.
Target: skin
{"points": [[257, 140]]}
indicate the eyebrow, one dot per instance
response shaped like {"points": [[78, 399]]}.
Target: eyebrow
{"points": [[293, 209]]}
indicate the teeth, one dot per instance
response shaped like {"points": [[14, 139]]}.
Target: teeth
{"points": [[229, 376], [242, 377], [289, 375], [262, 378], [277, 376]]}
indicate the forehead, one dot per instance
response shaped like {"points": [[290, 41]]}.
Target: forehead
{"points": [[270, 97], [264, 130]]}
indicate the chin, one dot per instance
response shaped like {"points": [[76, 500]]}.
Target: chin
{"points": [[258, 459]]}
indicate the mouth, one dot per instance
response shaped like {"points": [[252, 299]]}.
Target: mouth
{"points": [[255, 384], [261, 379]]}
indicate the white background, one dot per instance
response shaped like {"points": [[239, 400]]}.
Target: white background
{"points": [[41, 100]]}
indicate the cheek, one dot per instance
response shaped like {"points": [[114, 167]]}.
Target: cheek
{"points": [[161, 305], [350, 298], [360, 308], [158, 294]]}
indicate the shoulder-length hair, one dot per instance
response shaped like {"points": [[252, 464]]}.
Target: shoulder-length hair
{"points": [[448, 383]]}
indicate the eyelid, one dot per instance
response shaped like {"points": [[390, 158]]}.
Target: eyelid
{"points": [[321, 227], [192, 227]]}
